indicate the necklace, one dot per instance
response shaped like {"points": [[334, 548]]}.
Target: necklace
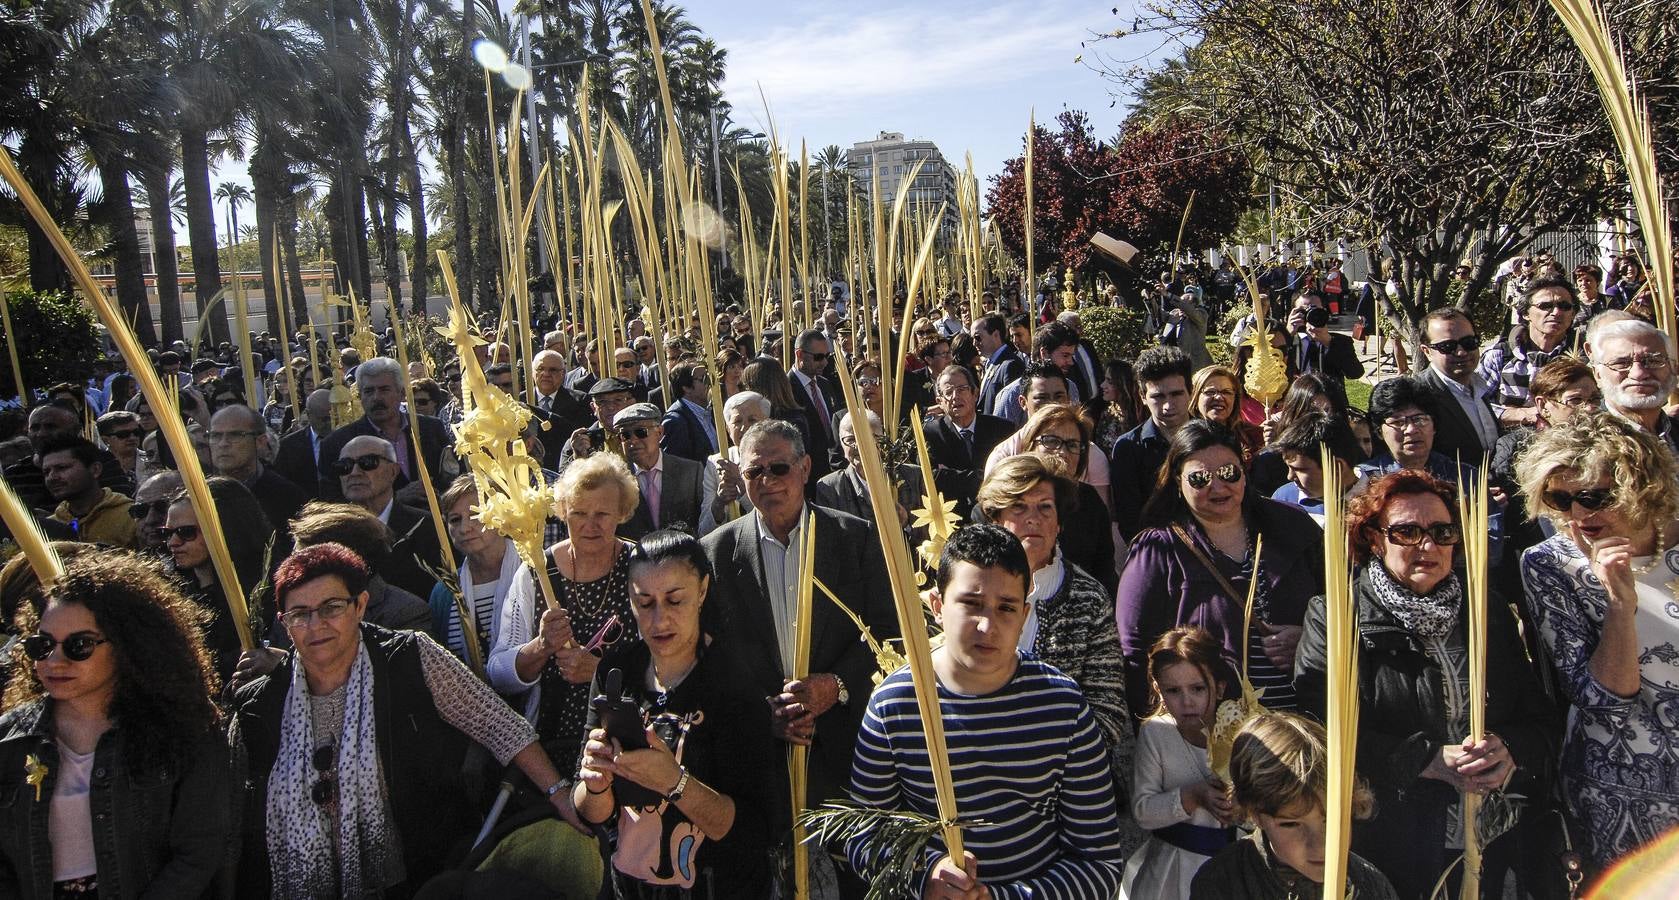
{"points": [[1656, 556]]}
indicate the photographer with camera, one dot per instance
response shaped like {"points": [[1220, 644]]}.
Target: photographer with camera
{"points": [[1312, 347]]}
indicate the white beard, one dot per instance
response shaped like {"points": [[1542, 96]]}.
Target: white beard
{"points": [[1616, 398]]}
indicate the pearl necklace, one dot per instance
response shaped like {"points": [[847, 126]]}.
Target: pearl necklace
{"points": [[1656, 556]]}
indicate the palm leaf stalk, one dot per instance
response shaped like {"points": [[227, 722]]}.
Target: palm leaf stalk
{"points": [[11, 348], [798, 755], [282, 298], [1472, 504], [26, 532], [1341, 725], [172, 427]]}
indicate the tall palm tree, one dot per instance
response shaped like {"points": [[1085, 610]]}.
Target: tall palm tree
{"points": [[233, 193]]}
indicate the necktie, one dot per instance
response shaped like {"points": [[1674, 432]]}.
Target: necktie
{"points": [[650, 492], [547, 403], [821, 405], [968, 441]]}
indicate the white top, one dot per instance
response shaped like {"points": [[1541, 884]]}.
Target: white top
{"points": [[1045, 582], [69, 819]]}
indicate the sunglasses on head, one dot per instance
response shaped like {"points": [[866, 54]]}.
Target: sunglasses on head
{"points": [[1229, 473], [1592, 499], [78, 647], [1469, 343], [640, 433], [1410, 534], [776, 469], [324, 761], [184, 532], [366, 463], [138, 510]]}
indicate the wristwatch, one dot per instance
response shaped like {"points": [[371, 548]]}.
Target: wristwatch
{"points": [[844, 695], [555, 788], [675, 795]]}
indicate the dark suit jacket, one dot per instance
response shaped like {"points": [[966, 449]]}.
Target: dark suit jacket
{"points": [[1133, 466], [956, 472], [685, 435], [1000, 375], [568, 414], [415, 543], [434, 440], [850, 564], [837, 490], [1339, 360], [295, 461], [280, 501], [680, 500], [1454, 433], [821, 441]]}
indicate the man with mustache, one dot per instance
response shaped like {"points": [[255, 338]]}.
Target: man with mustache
{"points": [[379, 385], [1633, 361]]}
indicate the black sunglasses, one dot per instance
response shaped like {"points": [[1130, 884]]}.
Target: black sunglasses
{"points": [[817, 357], [138, 510], [1469, 343], [184, 532], [324, 760], [126, 434], [1410, 534], [1592, 499], [78, 647], [1229, 473], [777, 469], [639, 433], [367, 463]]}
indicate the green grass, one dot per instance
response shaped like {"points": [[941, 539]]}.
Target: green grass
{"points": [[1358, 394]]}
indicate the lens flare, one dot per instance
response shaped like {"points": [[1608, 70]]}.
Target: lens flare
{"points": [[490, 55], [517, 77]]}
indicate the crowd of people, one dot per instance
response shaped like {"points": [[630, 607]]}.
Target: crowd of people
{"points": [[1138, 538]]}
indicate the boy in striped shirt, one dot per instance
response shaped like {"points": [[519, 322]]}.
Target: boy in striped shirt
{"points": [[1032, 778]]}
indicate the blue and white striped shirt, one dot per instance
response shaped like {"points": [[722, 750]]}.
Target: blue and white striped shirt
{"points": [[1031, 777]]}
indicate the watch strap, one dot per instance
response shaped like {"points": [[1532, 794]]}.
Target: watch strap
{"points": [[675, 794]]}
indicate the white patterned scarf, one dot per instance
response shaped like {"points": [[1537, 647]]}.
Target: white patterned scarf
{"points": [[1430, 615], [301, 851]]}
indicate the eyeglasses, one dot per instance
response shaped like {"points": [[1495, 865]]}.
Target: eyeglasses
{"points": [[639, 433], [1400, 423], [1410, 534], [78, 647], [1053, 444], [325, 763], [1652, 362], [868, 382], [138, 510], [127, 434], [1591, 402], [217, 437], [1218, 392], [1556, 305], [1229, 473], [184, 532], [775, 469], [1469, 343], [610, 631], [327, 611], [1593, 499], [816, 357], [366, 463]]}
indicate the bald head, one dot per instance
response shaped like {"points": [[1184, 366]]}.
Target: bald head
{"points": [[367, 472], [367, 444]]}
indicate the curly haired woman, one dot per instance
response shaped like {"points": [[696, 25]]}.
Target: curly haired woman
{"points": [[108, 719]]}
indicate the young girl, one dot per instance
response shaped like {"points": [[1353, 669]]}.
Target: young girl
{"points": [[1279, 774], [1174, 793]]}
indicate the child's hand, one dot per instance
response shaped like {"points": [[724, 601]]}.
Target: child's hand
{"points": [[1211, 796]]}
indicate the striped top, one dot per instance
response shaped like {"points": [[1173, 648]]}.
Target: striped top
{"points": [[1031, 774]]}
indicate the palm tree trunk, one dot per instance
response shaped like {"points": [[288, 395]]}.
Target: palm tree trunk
{"points": [[201, 227], [265, 201], [163, 253], [130, 262], [287, 226], [419, 267], [38, 163], [457, 164]]}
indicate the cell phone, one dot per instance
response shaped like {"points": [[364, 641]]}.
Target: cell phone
{"points": [[619, 716]]}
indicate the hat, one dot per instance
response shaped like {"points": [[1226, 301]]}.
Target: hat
{"points": [[610, 386], [638, 412], [205, 365]]}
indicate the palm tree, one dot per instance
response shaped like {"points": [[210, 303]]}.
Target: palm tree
{"points": [[234, 194]]}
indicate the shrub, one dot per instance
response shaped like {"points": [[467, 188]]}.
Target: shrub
{"points": [[1115, 332], [56, 341]]}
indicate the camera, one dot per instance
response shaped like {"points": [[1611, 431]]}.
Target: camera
{"points": [[1317, 317]]}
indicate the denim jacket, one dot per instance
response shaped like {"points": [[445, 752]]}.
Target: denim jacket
{"points": [[163, 833]]}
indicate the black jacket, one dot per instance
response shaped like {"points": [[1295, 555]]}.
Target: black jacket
{"points": [[821, 442], [1133, 467], [566, 414], [1454, 434], [414, 547], [421, 757], [1402, 726], [157, 831], [295, 461], [956, 472], [1339, 360], [684, 435]]}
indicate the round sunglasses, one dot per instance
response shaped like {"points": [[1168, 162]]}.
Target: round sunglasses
{"points": [[78, 647]]}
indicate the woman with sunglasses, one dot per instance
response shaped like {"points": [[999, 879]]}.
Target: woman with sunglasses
{"points": [[1413, 718], [113, 766], [247, 532], [558, 646], [354, 746], [1195, 559], [1601, 591], [689, 815]]}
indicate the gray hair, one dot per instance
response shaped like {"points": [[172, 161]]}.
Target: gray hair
{"points": [[774, 429], [381, 367], [377, 445], [1629, 329], [874, 420], [743, 398]]}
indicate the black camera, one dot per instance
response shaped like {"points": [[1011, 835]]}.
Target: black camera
{"points": [[1317, 317]]}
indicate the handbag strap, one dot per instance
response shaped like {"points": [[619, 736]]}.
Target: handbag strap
{"points": [[1236, 596]]}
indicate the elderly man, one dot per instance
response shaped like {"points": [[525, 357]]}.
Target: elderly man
{"points": [[238, 445], [120, 432], [756, 560], [366, 471], [557, 405], [626, 366], [690, 431], [845, 490], [70, 466], [723, 482], [46, 422], [607, 398], [379, 386], [1634, 364], [1547, 310], [150, 510], [298, 459], [672, 487], [959, 442]]}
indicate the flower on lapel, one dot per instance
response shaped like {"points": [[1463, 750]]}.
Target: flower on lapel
{"points": [[35, 772]]}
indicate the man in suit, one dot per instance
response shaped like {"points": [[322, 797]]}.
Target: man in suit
{"points": [[1466, 426], [755, 560], [627, 367], [379, 385], [672, 487], [959, 441], [1003, 364], [561, 409], [689, 429], [845, 490], [1163, 375], [1087, 370], [238, 442], [818, 397], [298, 459], [366, 469], [1312, 347]]}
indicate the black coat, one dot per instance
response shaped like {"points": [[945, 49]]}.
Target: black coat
{"points": [[1339, 360], [956, 472], [1454, 435], [821, 442], [1133, 467], [685, 436], [295, 461], [1402, 726], [567, 414], [414, 547]]}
